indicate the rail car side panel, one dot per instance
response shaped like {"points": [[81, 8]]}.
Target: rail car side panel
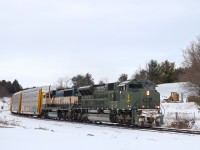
{"points": [[30, 102], [16, 102]]}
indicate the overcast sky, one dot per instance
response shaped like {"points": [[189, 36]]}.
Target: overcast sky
{"points": [[42, 40]]}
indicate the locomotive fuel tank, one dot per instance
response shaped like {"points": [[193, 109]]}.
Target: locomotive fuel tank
{"points": [[53, 114], [99, 117]]}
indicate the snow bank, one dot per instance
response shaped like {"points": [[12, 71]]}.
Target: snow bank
{"points": [[174, 111], [182, 111], [4, 103], [180, 107], [166, 89]]}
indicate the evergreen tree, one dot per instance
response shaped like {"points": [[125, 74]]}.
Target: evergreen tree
{"points": [[15, 87], [141, 75], [88, 79], [5, 84], [167, 70], [178, 74], [4, 88], [164, 72], [153, 71], [123, 77], [81, 80]]}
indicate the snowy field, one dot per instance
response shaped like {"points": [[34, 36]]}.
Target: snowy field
{"points": [[31, 134], [182, 110], [34, 134]]}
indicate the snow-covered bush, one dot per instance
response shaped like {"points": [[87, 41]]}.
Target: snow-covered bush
{"points": [[180, 120]]}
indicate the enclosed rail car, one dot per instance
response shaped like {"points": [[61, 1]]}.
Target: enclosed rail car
{"points": [[30, 101]]}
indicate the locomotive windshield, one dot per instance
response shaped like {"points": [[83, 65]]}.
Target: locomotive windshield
{"points": [[135, 86]]}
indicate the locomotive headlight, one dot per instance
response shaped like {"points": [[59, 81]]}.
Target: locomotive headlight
{"points": [[148, 93], [158, 107], [142, 106]]}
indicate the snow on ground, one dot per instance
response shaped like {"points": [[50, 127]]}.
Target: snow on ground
{"points": [[166, 89], [34, 134], [181, 111], [174, 111], [30, 133], [4, 103]]}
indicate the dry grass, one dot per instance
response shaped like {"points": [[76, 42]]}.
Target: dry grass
{"points": [[180, 120], [8, 123], [181, 124], [4, 122]]}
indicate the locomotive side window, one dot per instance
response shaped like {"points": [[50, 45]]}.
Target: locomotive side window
{"points": [[68, 93], [135, 86], [111, 87], [59, 94]]}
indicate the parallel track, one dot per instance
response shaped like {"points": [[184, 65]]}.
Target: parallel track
{"points": [[155, 129]]}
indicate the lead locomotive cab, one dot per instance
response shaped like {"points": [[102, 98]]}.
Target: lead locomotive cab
{"points": [[130, 102], [145, 103], [137, 103]]}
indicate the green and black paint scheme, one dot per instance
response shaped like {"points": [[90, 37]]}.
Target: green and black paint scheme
{"points": [[131, 102]]}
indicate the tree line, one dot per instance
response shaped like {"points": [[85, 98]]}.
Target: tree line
{"points": [[164, 72], [8, 88]]}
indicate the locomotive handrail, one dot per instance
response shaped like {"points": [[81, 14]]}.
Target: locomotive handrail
{"points": [[163, 108]]}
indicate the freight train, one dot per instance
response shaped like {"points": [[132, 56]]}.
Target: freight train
{"points": [[132, 102]]}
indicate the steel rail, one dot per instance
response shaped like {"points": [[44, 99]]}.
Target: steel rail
{"points": [[103, 124]]}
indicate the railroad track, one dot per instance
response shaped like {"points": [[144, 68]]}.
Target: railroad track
{"points": [[155, 129], [172, 130]]}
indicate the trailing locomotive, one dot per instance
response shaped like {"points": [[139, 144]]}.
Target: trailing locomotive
{"points": [[131, 102]]}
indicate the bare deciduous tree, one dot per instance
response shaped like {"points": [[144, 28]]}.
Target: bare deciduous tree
{"points": [[192, 66], [64, 82], [60, 83], [3, 92], [103, 80]]}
